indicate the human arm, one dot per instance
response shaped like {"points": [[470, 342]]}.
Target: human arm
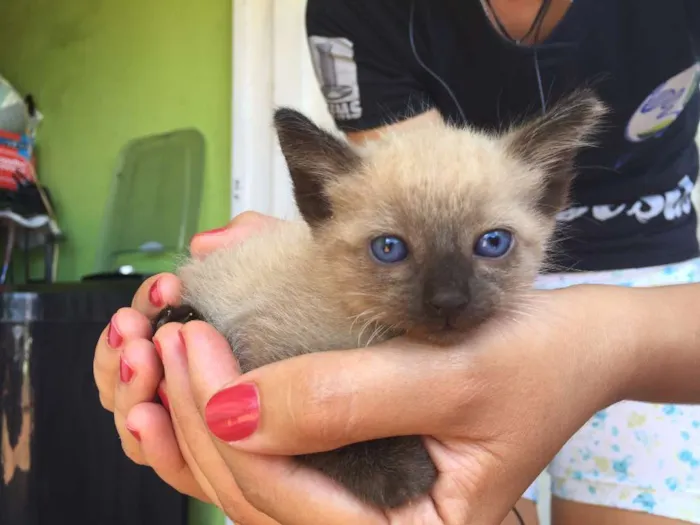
{"points": [[497, 409], [604, 344], [587, 345], [662, 329]]}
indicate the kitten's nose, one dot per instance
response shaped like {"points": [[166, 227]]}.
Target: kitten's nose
{"points": [[448, 303]]}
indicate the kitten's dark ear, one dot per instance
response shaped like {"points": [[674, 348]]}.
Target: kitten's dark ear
{"points": [[314, 158], [552, 141]]}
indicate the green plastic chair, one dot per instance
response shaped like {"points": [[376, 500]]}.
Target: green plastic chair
{"points": [[153, 205]]}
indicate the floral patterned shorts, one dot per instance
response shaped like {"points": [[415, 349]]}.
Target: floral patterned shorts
{"points": [[634, 456]]}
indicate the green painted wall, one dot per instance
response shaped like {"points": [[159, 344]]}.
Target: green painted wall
{"points": [[104, 72]]}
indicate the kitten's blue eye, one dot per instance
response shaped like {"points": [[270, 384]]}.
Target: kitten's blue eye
{"points": [[389, 249], [494, 244]]}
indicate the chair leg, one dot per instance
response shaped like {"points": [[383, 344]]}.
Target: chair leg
{"points": [[9, 246], [49, 249], [25, 254]]}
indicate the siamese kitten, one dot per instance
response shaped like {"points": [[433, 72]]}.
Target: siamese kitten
{"points": [[426, 233]]}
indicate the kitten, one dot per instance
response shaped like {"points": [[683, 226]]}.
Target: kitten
{"points": [[426, 232]]}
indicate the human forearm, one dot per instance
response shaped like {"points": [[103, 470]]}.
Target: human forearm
{"points": [[661, 361]]}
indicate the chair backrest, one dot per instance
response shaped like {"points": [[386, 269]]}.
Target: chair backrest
{"points": [[154, 201]]}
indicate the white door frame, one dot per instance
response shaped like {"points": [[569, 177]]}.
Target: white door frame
{"points": [[252, 95], [271, 67]]}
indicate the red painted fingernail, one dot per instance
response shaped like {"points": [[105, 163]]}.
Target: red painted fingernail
{"points": [[233, 413], [159, 350], [114, 338], [213, 232], [154, 295], [134, 433], [163, 397], [126, 373]]}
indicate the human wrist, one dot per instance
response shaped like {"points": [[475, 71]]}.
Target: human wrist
{"points": [[664, 351], [617, 322], [603, 343]]}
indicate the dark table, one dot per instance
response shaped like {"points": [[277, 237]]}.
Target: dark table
{"points": [[62, 460]]}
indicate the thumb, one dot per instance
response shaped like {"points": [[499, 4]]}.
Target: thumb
{"points": [[237, 230], [322, 401], [264, 480]]}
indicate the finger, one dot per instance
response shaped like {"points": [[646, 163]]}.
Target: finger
{"points": [[296, 495], [140, 372], [129, 438], [277, 486], [238, 229], [322, 401], [126, 324], [477, 486], [161, 451], [193, 432], [187, 455], [181, 454], [155, 293]]}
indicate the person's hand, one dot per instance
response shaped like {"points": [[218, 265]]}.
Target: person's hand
{"points": [[497, 409], [128, 370]]}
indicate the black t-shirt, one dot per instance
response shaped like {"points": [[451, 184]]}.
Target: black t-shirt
{"points": [[631, 199]]}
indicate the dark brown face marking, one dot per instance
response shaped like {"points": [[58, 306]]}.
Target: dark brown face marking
{"points": [[552, 141], [314, 157], [446, 289]]}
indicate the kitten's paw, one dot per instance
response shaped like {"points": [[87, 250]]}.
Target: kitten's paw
{"points": [[176, 314], [387, 473]]}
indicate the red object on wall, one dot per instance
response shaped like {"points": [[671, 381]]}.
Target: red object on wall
{"points": [[16, 160]]}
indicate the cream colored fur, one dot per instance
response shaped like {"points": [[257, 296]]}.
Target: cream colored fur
{"points": [[288, 292]]}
